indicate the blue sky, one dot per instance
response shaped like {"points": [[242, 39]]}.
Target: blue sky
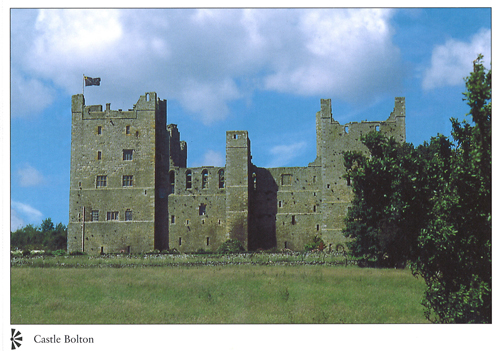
{"points": [[261, 70]]}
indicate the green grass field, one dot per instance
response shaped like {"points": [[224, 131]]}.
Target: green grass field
{"points": [[215, 294]]}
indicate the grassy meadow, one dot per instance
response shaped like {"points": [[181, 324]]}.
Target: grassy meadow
{"points": [[231, 293]]}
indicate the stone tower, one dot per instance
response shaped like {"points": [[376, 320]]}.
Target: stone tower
{"points": [[118, 186], [238, 161]]}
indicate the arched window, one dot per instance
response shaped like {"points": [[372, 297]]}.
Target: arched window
{"points": [[172, 182], [221, 179], [189, 182], [204, 179]]}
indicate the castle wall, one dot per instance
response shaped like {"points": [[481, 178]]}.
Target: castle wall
{"points": [[150, 200]]}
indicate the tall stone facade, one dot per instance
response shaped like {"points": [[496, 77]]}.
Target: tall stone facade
{"points": [[131, 189]]}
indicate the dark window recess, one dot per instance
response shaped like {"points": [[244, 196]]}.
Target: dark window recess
{"points": [[112, 216], [172, 182], [99, 130], [286, 179], [189, 179], [128, 215], [128, 155], [293, 220], [101, 181], [128, 180], [203, 209], [221, 179], [94, 216], [204, 179]]}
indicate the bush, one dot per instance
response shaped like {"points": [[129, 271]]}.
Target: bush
{"points": [[230, 246], [317, 244], [59, 252]]}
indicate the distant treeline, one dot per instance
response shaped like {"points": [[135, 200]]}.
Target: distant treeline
{"points": [[43, 237]]}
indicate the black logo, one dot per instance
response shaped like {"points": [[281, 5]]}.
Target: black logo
{"points": [[16, 339]]}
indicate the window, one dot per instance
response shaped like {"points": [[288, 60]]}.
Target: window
{"points": [[101, 181], [286, 245], [99, 155], [208, 241], [235, 136], [127, 180], [127, 130], [203, 209], [172, 182], [128, 155], [286, 179], [112, 216], [314, 208], [317, 227], [172, 220], [189, 181], [128, 215], [204, 179], [99, 130], [280, 204], [346, 129], [377, 128], [293, 220], [94, 215], [180, 241], [221, 179]]}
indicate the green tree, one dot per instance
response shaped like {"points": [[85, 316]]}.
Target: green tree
{"points": [[455, 245], [386, 215]]}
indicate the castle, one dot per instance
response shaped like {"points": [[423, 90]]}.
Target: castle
{"points": [[131, 189]]}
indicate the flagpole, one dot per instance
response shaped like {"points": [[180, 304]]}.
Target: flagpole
{"points": [[83, 85]]}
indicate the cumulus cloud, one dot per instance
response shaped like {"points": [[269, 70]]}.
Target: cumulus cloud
{"points": [[452, 61], [205, 59], [21, 213], [211, 158], [29, 176], [283, 154]]}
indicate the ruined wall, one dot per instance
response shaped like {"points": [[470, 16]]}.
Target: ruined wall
{"points": [[197, 209], [117, 177]]}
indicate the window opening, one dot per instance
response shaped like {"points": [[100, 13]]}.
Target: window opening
{"points": [[202, 209], [235, 136], [204, 179], [101, 181], [112, 216], [189, 182], [314, 208], [128, 215], [208, 241], [317, 227], [286, 244], [221, 179], [128, 155], [293, 220], [94, 216], [377, 128], [180, 241], [99, 155], [172, 219], [346, 129], [127, 130], [172, 182], [280, 204], [127, 180], [99, 130]]}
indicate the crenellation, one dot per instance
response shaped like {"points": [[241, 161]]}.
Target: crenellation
{"points": [[131, 189]]}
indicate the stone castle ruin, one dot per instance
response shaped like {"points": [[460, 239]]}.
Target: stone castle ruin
{"points": [[131, 189]]}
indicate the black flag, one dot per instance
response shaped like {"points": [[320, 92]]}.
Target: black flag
{"points": [[91, 81]]}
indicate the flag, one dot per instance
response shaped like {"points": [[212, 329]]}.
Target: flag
{"points": [[91, 81]]}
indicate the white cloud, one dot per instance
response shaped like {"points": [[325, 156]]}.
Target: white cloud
{"points": [[29, 176], [16, 221], [452, 61], [212, 158], [200, 57], [283, 154], [21, 213]]}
